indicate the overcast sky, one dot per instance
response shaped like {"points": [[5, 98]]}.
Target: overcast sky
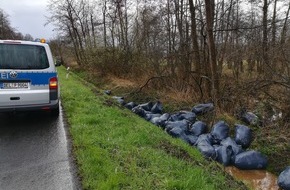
{"points": [[28, 17]]}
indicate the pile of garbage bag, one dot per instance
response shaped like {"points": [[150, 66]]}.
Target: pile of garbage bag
{"points": [[215, 144]]}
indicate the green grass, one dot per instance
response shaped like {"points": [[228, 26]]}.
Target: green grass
{"points": [[116, 149]]}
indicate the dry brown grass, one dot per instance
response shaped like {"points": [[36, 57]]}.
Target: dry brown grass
{"points": [[235, 94], [121, 82]]}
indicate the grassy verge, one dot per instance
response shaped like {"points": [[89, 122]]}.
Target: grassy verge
{"points": [[116, 149]]}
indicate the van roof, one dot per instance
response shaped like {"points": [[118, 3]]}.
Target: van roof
{"points": [[21, 42]]}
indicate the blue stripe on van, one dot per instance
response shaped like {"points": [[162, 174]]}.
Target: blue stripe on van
{"points": [[35, 78]]}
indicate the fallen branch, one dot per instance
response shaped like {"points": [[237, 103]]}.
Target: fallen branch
{"points": [[147, 82]]}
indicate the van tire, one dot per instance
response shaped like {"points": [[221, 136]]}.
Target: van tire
{"points": [[55, 112]]}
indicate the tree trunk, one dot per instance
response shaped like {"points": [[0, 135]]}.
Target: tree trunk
{"points": [[194, 37], [183, 66], [284, 30], [104, 23], [93, 31], [209, 7], [266, 65], [274, 28]]}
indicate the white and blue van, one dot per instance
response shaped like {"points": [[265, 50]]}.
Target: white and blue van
{"points": [[28, 77]]}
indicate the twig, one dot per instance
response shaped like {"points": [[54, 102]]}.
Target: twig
{"points": [[147, 82]]}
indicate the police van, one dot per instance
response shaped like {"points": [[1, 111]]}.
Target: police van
{"points": [[28, 77]]}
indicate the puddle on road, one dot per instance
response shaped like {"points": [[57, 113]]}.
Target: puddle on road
{"points": [[255, 179]]}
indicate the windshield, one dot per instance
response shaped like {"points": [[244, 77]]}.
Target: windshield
{"points": [[20, 56]]}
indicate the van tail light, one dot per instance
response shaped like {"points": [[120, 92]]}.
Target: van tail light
{"points": [[53, 83]]}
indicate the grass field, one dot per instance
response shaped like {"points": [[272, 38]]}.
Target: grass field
{"points": [[116, 149]]}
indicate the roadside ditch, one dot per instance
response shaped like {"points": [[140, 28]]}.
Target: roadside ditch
{"points": [[215, 142]]}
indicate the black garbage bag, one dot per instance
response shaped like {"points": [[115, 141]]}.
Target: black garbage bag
{"points": [[184, 137], [202, 108], [284, 179], [207, 150], [150, 116], [174, 117], [198, 128], [139, 111], [204, 138], [250, 118], [183, 115], [191, 139], [160, 121], [224, 154], [243, 135], [156, 121], [220, 131], [236, 149], [120, 100], [157, 108], [176, 132], [130, 105], [147, 106], [165, 116], [189, 116], [251, 160], [183, 124]]}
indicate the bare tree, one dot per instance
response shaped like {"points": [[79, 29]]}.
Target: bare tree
{"points": [[285, 26], [188, 41], [210, 7], [6, 31]]}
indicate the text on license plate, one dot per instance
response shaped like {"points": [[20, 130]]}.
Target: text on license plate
{"points": [[15, 85]]}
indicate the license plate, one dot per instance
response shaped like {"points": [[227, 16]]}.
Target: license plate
{"points": [[15, 85]]}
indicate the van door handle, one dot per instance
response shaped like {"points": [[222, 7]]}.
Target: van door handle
{"points": [[14, 98]]}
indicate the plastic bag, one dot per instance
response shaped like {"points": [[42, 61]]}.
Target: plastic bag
{"points": [[251, 160], [157, 108], [139, 111], [243, 135], [174, 117], [165, 116], [204, 138], [284, 179], [120, 100], [176, 132], [250, 118], [160, 121], [224, 154], [191, 139], [220, 131], [189, 116], [198, 128], [236, 149], [202, 108], [172, 124], [146, 106], [150, 116], [207, 150], [130, 105]]}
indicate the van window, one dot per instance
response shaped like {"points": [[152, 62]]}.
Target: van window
{"points": [[21, 56]]}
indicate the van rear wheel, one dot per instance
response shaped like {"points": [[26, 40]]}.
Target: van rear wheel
{"points": [[55, 112]]}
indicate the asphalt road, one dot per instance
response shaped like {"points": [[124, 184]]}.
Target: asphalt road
{"points": [[35, 153]]}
